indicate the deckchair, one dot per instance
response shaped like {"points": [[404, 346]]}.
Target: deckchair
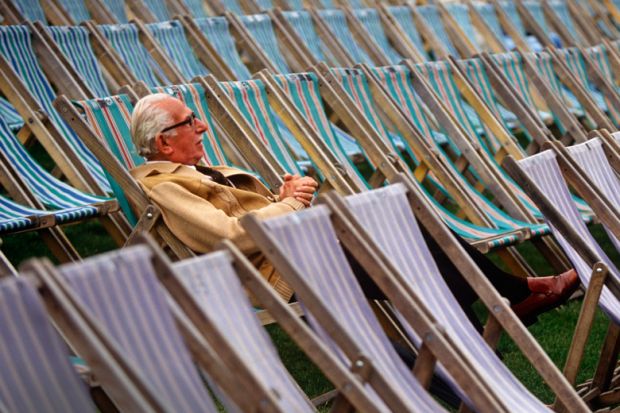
{"points": [[385, 219], [370, 132], [343, 316], [216, 281], [480, 211], [337, 35], [27, 87], [513, 25], [459, 26], [15, 12], [153, 333], [65, 12], [541, 175], [487, 23], [400, 28], [366, 26], [125, 42], [434, 23], [561, 21], [533, 18], [36, 372]]}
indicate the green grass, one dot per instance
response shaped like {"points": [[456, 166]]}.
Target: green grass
{"points": [[553, 331]]}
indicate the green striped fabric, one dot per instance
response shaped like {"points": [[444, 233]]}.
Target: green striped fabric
{"points": [[77, 10], [369, 18], [303, 89], [261, 29], [544, 64], [302, 23], [433, 20], [251, 99], [560, 8], [31, 10], [352, 82], [337, 22], [159, 9], [460, 12], [488, 14], [403, 16]]}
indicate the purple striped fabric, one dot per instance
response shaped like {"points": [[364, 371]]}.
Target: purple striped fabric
{"points": [[307, 238], [543, 169], [121, 291], [591, 157], [213, 282], [35, 372], [386, 215]]}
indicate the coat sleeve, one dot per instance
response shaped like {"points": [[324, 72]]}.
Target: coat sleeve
{"points": [[200, 225]]}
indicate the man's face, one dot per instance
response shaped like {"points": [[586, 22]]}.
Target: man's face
{"points": [[185, 146]]}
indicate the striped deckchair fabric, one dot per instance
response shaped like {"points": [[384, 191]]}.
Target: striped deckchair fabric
{"points": [[591, 157], [536, 11], [302, 23], [141, 325], [369, 18], [216, 288], [16, 47], [36, 375], [560, 8], [74, 43], [573, 58], [544, 65], [387, 217], [403, 16], [321, 263], [171, 36], [303, 89], [30, 9], [261, 29], [543, 170], [354, 84], [251, 99], [10, 115], [125, 41], [430, 13], [510, 8], [460, 13], [233, 6], [195, 8], [488, 14], [117, 8], [217, 32], [600, 56], [337, 23], [159, 9], [71, 204], [15, 217], [76, 9]]}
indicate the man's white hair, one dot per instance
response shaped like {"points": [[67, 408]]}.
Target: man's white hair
{"points": [[147, 120]]}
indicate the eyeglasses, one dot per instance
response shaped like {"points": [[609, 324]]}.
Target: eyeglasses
{"points": [[191, 121]]}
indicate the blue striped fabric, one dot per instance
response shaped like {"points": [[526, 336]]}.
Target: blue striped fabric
{"points": [[216, 31], [560, 8], [387, 217], [171, 36], [16, 47], [301, 21], [261, 29], [264, 4], [35, 373], [125, 41], [196, 8], [337, 23], [31, 10], [233, 6], [74, 43], [369, 18], [544, 64], [403, 16], [591, 157], [433, 20], [543, 169], [159, 9], [10, 115], [487, 12], [117, 8], [510, 9], [215, 286], [308, 240], [460, 12], [120, 290], [77, 10], [50, 191]]}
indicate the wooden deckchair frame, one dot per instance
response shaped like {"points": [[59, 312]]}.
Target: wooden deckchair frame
{"points": [[600, 15], [598, 279], [509, 27], [6, 268], [430, 39], [391, 165], [493, 43], [479, 157], [458, 37], [11, 14], [114, 371], [436, 345], [365, 39], [397, 36], [500, 318], [530, 24], [329, 39]]}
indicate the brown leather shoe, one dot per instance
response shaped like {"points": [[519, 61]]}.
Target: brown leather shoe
{"points": [[547, 293]]}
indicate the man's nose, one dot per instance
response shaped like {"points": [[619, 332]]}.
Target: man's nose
{"points": [[200, 126]]}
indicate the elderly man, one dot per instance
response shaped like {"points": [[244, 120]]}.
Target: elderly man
{"points": [[202, 205]]}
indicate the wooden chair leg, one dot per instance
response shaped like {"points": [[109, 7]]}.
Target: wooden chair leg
{"points": [[424, 366], [607, 361]]}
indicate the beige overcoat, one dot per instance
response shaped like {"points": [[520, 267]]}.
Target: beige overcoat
{"points": [[201, 212]]}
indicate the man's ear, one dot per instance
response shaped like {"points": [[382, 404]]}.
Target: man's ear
{"points": [[161, 144]]}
